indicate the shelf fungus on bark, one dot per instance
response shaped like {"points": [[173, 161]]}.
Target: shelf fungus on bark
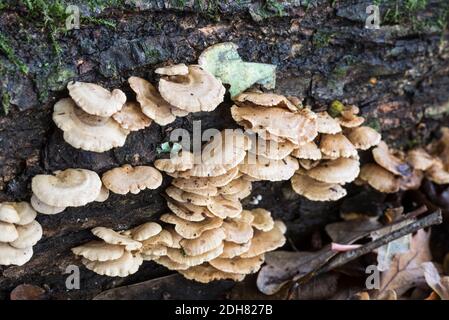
{"points": [[173, 70], [19, 232], [196, 91], [86, 131], [363, 137], [119, 254], [68, 188], [96, 100], [316, 190], [349, 117], [131, 117], [327, 124], [127, 178]]}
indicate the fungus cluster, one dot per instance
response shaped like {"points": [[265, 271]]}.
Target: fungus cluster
{"points": [[394, 170], [120, 254], [52, 193], [318, 152], [96, 119], [19, 232], [214, 237]]}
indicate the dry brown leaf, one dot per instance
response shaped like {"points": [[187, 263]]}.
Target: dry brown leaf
{"points": [[405, 270]]}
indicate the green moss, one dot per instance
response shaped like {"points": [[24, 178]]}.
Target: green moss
{"points": [[6, 102], [321, 39], [336, 108], [99, 21], [8, 51], [374, 123]]}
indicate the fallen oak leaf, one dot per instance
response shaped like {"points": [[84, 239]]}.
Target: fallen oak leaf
{"points": [[405, 271], [439, 284]]}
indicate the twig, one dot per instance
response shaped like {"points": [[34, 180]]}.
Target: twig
{"points": [[345, 257]]}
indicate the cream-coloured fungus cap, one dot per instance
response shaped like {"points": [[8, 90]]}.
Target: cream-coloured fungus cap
{"points": [[131, 117], [316, 190], [197, 91], [364, 137], [99, 251], [127, 178], [44, 208], [112, 237], [67, 188], [85, 131], [327, 124], [264, 100], [127, 264], [206, 273], [28, 235], [342, 170], [379, 178], [336, 146], [14, 256], [8, 213], [173, 70], [262, 168], [95, 99], [191, 229], [151, 102], [309, 151], [238, 265]]}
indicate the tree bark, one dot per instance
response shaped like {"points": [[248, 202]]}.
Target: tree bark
{"points": [[398, 75]]}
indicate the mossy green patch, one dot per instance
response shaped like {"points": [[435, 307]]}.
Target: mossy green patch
{"points": [[6, 102], [374, 124], [321, 39], [7, 49], [335, 108]]}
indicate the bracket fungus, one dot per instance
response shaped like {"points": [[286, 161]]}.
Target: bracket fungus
{"points": [[196, 91], [95, 99], [68, 188], [127, 178], [131, 117], [19, 232], [85, 131]]}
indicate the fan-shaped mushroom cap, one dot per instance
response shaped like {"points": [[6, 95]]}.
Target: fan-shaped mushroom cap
{"points": [[67, 188], [95, 99], [267, 169], [349, 117], [262, 219], [163, 238], [197, 91], [179, 256], [308, 151], [170, 264], [238, 265], [420, 159], [271, 149], [175, 193], [87, 132], [437, 173], [151, 102], [238, 187], [8, 213], [342, 170], [145, 231], [223, 208], [191, 229], [379, 178], [112, 237], [25, 211], [131, 117], [387, 160], [336, 146], [207, 273], [364, 137], [298, 128], [238, 230], [208, 240], [173, 70], [232, 249], [103, 195], [127, 264], [308, 164], [154, 251], [316, 190], [180, 162], [264, 100], [8, 232], [326, 124], [206, 183], [99, 251], [127, 178], [10, 255], [187, 211], [29, 235], [44, 208], [176, 237], [266, 241], [411, 182]]}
